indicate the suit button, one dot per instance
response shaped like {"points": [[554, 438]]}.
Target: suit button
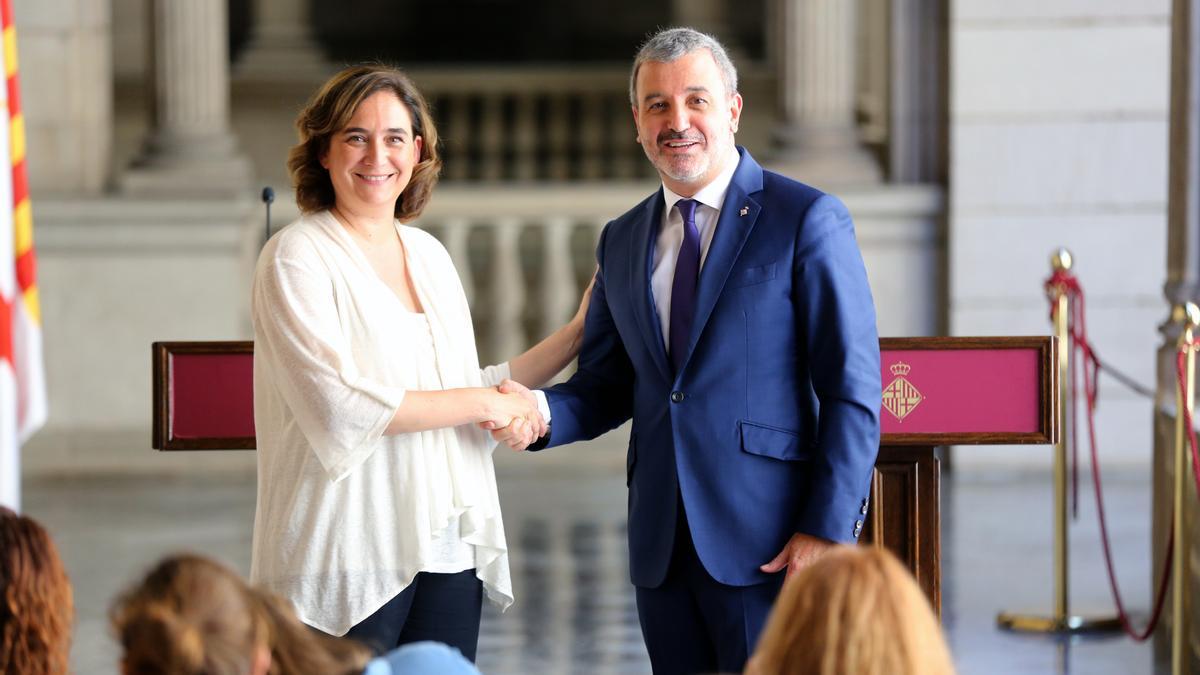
{"points": [[677, 397]]}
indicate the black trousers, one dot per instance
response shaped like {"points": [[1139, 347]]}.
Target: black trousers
{"points": [[693, 623], [440, 607]]}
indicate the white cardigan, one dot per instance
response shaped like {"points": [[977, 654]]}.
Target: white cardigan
{"points": [[346, 515]]}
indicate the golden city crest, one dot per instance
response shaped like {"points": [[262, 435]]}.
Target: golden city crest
{"points": [[900, 396]]}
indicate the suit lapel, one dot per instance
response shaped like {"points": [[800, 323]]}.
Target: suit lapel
{"points": [[644, 234], [739, 213]]}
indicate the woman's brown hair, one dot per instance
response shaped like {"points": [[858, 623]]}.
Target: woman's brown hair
{"points": [[36, 605], [330, 110], [855, 610], [191, 615]]}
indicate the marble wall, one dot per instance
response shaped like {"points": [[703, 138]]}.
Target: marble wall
{"points": [[1059, 138]]}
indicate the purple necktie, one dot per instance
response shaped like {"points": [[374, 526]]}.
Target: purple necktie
{"points": [[683, 288]]}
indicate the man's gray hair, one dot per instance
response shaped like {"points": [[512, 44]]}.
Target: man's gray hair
{"points": [[671, 44]]}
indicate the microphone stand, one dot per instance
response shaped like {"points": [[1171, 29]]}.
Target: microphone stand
{"points": [[268, 196]]}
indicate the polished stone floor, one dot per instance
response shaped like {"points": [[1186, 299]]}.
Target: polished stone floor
{"points": [[574, 610]]}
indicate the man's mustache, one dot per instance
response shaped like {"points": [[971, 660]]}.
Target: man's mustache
{"points": [[679, 136]]}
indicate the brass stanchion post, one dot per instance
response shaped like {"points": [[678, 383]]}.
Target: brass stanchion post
{"points": [[1185, 400], [1061, 621]]}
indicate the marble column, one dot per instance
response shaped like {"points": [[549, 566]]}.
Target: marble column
{"points": [[917, 74], [872, 62], [1182, 285], [282, 47], [66, 77], [191, 149], [818, 138]]}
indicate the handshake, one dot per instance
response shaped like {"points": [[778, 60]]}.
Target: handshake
{"points": [[513, 417]]}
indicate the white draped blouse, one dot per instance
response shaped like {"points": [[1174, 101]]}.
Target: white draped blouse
{"points": [[347, 516]]}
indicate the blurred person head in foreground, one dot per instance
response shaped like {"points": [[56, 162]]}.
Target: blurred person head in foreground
{"points": [[36, 605], [194, 616], [855, 610]]}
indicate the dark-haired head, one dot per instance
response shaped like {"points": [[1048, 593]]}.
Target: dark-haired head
{"points": [[330, 111]]}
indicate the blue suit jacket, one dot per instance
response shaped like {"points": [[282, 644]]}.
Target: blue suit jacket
{"points": [[771, 427]]}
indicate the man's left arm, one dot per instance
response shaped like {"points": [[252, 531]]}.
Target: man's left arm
{"points": [[835, 319]]}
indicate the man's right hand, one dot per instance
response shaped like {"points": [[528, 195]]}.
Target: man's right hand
{"points": [[521, 432]]}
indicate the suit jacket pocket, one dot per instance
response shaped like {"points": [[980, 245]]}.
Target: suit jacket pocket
{"points": [[752, 275], [767, 441], [630, 459]]}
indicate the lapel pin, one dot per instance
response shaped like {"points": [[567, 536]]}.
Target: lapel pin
{"points": [[744, 211]]}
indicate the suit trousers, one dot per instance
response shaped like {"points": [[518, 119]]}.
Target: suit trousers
{"points": [[444, 608], [693, 623]]}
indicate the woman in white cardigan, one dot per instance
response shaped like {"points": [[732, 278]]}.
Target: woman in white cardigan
{"points": [[377, 510]]}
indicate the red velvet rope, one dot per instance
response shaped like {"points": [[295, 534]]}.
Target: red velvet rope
{"points": [[1084, 355]]}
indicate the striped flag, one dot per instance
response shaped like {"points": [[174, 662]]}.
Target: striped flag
{"points": [[22, 382]]}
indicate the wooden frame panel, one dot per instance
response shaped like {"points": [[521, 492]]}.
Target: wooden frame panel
{"points": [[162, 435]]}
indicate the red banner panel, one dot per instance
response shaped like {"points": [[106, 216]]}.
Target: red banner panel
{"points": [[968, 390], [961, 391], [212, 396]]}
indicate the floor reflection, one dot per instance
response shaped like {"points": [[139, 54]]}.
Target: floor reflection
{"points": [[575, 611]]}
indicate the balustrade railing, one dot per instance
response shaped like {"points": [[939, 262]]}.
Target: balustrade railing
{"points": [[524, 255], [534, 123], [526, 252]]}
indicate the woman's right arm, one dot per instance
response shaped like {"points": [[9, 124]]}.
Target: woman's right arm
{"points": [[425, 410]]}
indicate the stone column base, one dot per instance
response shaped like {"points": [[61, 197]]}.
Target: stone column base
{"points": [[175, 168], [823, 156]]}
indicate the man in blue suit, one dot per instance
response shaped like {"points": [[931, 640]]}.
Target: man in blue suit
{"points": [[732, 320]]}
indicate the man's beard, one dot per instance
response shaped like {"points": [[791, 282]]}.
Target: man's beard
{"points": [[699, 167], [698, 164]]}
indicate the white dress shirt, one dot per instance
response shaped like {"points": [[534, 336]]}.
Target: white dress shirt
{"points": [[666, 249], [670, 239]]}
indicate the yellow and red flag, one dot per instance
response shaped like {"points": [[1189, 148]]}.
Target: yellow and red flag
{"points": [[22, 381]]}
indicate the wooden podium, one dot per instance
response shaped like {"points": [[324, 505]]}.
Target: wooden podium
{"points": [[950, 391], [936, 391]]}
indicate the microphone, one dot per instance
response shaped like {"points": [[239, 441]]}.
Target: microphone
{"points": [[268, 196]]}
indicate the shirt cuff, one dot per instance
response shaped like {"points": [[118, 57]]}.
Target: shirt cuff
{"points": [[542, 404]]}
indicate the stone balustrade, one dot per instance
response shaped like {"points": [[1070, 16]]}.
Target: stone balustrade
{"points": [[525, 253], [544, 123]]}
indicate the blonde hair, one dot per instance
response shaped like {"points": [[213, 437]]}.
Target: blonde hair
{"points": [[36, 605], [332, 108], [193, 616], [855, 610]]}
